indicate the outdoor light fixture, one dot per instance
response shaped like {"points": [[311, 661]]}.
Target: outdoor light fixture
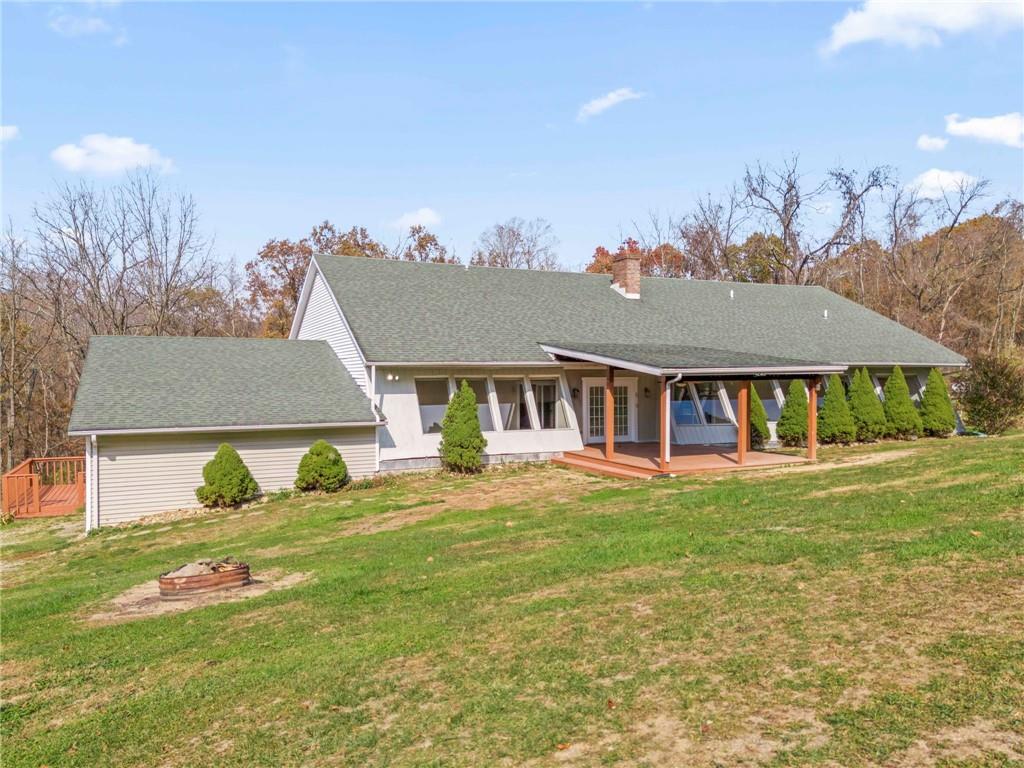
{"points": [[575, 393]]}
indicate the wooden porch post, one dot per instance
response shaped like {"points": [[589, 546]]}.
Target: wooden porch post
{"points": [[743, 422], [609, 414], [812, 420], [664, 444]]}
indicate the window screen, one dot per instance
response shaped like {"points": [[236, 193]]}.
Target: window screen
{"points": [[512, 404]]}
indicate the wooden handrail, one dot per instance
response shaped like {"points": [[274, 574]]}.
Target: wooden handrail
{"points": [[45, 486]]}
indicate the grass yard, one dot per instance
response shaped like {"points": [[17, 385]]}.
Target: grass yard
{"points": [[870, 613]]}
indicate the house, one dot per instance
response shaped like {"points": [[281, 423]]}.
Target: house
{"points": [[377, 348]]}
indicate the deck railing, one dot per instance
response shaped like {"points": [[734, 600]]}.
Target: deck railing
{"points": [[43, 487]]}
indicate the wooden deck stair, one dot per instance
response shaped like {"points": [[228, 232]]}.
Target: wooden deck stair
{"points": [[605, 467]]}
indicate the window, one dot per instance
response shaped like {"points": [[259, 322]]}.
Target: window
{"points": [[483, 407], [766, 391], [550, 408], [512, 404], [684, 411], [711, 403], [914, 385], [432, 395]]}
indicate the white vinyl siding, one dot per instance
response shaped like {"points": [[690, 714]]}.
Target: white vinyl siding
{"points": [[141, 475], [321, 320]]}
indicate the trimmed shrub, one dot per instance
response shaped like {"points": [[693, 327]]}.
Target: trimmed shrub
{"points": [[937, 417], [866, 409], [835, 423], [901, 414], [227, 480], [462, 442], [792, 425], [759, 432], [991, 392], [321, 469]]}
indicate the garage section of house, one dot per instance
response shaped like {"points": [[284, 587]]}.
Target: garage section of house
{"points": [[153, 411]]}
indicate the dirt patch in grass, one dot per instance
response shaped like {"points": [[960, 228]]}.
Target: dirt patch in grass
{"points": [[143, 600], [495, 489], [975, 741], [866, 460]]}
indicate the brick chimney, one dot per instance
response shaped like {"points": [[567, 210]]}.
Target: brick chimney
{"points": [[626, 272]]}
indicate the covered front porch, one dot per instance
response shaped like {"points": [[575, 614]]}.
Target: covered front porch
{"points": [[671, 379]]}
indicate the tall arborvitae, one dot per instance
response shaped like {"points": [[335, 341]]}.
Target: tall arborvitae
{"points": [[462, 442], [792, 425], [900, 412], [759, 432], [835, 424], [865, 407], [937, 417]]}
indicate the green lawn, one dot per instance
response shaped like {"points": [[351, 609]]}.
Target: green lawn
{"points": [[864, 614]]}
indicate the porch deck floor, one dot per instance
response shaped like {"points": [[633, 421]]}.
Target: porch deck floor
{"points": [[685, 458]]}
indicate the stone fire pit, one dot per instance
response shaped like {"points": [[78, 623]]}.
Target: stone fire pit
{"points": [[203, 576]]}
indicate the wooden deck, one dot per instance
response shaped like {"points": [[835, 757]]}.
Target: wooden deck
{"points": [[640, 460], [44, 487]]}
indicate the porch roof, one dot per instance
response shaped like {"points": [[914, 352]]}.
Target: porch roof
{"points": [[672, 359]]}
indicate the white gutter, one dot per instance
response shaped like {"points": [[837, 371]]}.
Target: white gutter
{"points": [[228, 428]]}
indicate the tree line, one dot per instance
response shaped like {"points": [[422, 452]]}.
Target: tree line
{"points": [[133, 259]]}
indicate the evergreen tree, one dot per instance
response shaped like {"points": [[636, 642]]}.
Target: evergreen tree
{"points": [[227, 480], [900, 413], [321, 469], [759, 432], [835, 424], [462, 442], [937, 417], [866, 409], [792, 425]]}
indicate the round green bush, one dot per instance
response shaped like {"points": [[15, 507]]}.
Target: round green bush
{"points": [[835, 423], [227, 481], [991, 392], [865, 408], [462, 442], [792, 425], [321, 469], [937, 417], [900, 412]]}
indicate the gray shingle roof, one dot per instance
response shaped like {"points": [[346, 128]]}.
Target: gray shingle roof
{"points": [[161, 382], [412, 312], [675, 356]]}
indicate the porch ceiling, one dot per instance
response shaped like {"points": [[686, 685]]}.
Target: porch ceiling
{"points": [[671, 359]]}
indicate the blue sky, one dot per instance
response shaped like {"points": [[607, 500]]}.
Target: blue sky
{"points": [[277, 116]]}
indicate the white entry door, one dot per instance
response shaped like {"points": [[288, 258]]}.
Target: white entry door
{"points": [[625, 410]]}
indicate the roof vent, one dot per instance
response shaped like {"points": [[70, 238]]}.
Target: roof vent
{"points": [[826, 314], [732, 294]]}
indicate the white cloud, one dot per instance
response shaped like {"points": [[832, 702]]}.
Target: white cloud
{"points": [[74, 25], [9, 132], [103, 154], [931, 143], [606, 102], [935, 183], [423, 217], [1002, 129], [69, 25], [916, 24]]}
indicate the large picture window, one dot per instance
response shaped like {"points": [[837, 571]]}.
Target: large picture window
{"points": [[512, 404], [684, 410], [432, 395], [550, 408], [766, 391], [483, 407], [711, 404]]}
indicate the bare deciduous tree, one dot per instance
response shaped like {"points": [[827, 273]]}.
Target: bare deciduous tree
{"points": [[783, 204], [518, 244]]}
